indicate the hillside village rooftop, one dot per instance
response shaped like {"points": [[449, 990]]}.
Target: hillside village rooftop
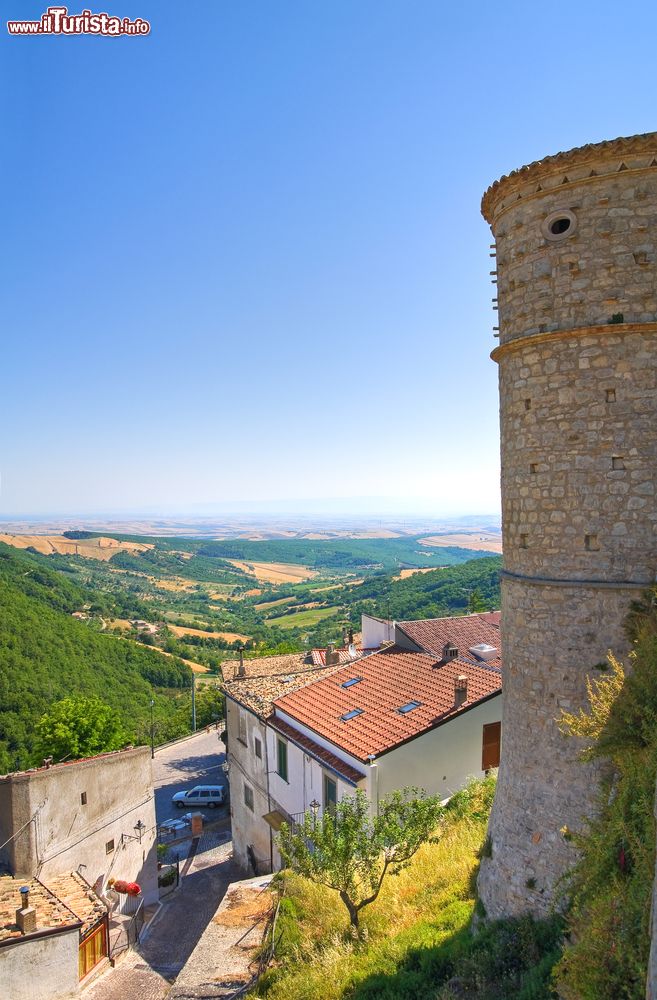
{"points": [[392, 696]]}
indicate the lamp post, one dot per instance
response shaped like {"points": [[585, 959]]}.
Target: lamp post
{"points": [[314, 806], [152, 730]]}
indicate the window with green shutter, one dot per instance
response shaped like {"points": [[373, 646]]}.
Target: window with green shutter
{"points": [[281, 751]]}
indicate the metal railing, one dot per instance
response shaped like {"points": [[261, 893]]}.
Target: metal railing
{"points": [[127, 933]]}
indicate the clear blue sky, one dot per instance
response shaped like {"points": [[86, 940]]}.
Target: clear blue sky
{"points": [[243, 257]]}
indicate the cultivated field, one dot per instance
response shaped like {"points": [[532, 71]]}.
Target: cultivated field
{"points": [[304, 619], [274, 604], [404, 573], [175, 585], [179, 631], [274, 572], [476, 542], [91, 548]]}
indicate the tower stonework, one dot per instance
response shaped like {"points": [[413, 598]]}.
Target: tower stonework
{"points": [[576, 248]]}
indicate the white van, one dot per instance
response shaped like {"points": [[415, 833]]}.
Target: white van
{"points": [[201, 795]]}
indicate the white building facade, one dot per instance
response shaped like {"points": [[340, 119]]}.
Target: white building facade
{"points": [[428, 719]]}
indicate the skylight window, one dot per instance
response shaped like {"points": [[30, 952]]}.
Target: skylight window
{"points": [[351, 715], [351, 682], [408, 707]]}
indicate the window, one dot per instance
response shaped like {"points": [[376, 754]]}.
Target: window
{"points": [[610, 395], [524, 540], [248, 797], [257, 745], [330, 794], [617, 462], [351, 682], [109, 847], [490, 755], [533, 468], [351, 715], [559, 225], [83, 798], [408, 707], [194, 794], [281, 759], [242, 726], [528, 404], [591, 543]]}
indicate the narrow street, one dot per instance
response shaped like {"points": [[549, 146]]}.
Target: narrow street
{"points": [[206, 871]]}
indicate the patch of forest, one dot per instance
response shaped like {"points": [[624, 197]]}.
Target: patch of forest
{"points": [[46, 655]]}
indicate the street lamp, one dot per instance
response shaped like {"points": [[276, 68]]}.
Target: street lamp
{"points": [[152, 731], [314, 806]]}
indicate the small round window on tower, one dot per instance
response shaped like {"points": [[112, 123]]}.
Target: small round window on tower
{"points": [[559, 225]]}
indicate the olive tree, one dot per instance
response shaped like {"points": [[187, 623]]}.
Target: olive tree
{"points": [[351, 851]]}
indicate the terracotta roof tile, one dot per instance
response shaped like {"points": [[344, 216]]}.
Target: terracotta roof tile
{"points": [[464, 631], [264, 666], [344, 656], [51, 912], [76, 893], [391, 679], [320, 753], [258, 693]]}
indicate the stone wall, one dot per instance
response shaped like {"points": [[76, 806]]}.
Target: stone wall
{"points": [[83, 813], [578, 409]]}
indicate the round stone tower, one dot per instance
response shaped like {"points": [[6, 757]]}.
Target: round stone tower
{"points": [[576, 272]]}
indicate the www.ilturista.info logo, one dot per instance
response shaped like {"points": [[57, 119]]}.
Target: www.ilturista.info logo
{"points": [[58, 21]]}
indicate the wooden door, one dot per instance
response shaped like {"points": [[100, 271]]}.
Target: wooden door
{"points": [[492, 738]]}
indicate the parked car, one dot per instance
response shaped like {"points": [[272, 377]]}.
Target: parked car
{"points": [[201, 795]]}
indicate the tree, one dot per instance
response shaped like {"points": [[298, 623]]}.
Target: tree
{"points": [[78, 727], [350, 851]]}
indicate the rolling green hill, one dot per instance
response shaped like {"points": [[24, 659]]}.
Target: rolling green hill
{"points": [[46, 655], [340, 554]]}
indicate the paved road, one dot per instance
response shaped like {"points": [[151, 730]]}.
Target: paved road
{"points": [[147, 973], [176, 768]]}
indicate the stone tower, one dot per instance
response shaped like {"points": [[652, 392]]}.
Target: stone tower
{"points": [[576, 271]]}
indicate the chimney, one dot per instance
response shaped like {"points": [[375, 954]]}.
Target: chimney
{"points": [[332, 655], [240, 669], [460, 689], [26, 914]]}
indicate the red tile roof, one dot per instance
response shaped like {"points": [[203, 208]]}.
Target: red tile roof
{"points": [[320, 753], [433, 634], [391, 678]]}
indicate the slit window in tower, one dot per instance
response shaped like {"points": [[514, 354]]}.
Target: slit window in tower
{"points": [[528, 404], [591, 543], [617, 462], [524, 540], [610, 395], [533, 468]]}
